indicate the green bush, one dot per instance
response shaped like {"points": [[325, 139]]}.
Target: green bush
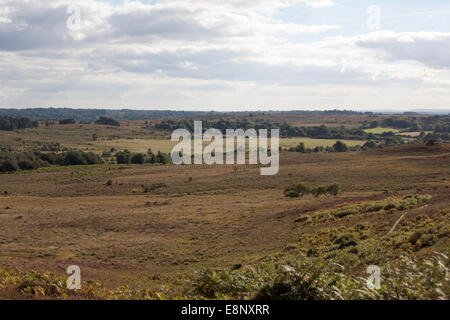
{"points": [[123, 157], [340, 146], [138, 158], [302, 189], [8, 165]]}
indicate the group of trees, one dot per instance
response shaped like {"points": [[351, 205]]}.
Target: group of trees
{"points": [[339, 146], [67, 121], [286, 130], [126, 157], [10, 162], [9, 124], [301, 189], [436, 124]]}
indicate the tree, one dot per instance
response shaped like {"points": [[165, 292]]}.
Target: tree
{"points": [[301, 147], [339, 146], [8, 165], [370, 144], [73, 158], [138, 158], [123, 157], [162, 158]]}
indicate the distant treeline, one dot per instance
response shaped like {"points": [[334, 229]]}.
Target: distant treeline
{"points": [[10, 162], [91, 115], [286, 130], [9, 123], [437, 124]]}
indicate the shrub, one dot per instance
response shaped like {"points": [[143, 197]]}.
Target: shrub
{"points": [[162, 158], [334, 189], [345, 240], [301, 147], [73, 158], [138, 158], [91, 158], [297, 190], [301, 189], [320, 190], [8, 165], [123, 157], [291, 193]]}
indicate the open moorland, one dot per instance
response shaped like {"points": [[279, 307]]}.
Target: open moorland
{"points": [[188, 231]]}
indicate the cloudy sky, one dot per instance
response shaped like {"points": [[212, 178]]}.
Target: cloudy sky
{"points": [[225, 54]]}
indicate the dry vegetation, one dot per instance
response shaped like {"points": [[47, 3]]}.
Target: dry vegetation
{"points": [[156, 228]]}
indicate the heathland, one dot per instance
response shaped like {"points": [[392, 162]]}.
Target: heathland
{"points": [[167, 231]]}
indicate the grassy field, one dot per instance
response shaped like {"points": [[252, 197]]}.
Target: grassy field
{"points": [[380, 130]]}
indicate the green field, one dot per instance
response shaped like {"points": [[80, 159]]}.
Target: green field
{"points": [[380, 130]]}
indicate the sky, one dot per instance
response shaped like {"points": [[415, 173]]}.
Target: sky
{"points": [[226, 55]]}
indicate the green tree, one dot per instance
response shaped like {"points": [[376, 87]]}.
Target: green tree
{"points": [[339, 146], [138, 158], [123, 157]]}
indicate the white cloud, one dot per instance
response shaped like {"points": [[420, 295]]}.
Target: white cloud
{"points": [[318, 3], [214, 53]]}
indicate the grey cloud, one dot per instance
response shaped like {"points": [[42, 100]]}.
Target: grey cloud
{"points": [[431, 50], [33, 27], [166, 23]]}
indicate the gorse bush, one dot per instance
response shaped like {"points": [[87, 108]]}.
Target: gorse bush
{"points": [[302, 189]]}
